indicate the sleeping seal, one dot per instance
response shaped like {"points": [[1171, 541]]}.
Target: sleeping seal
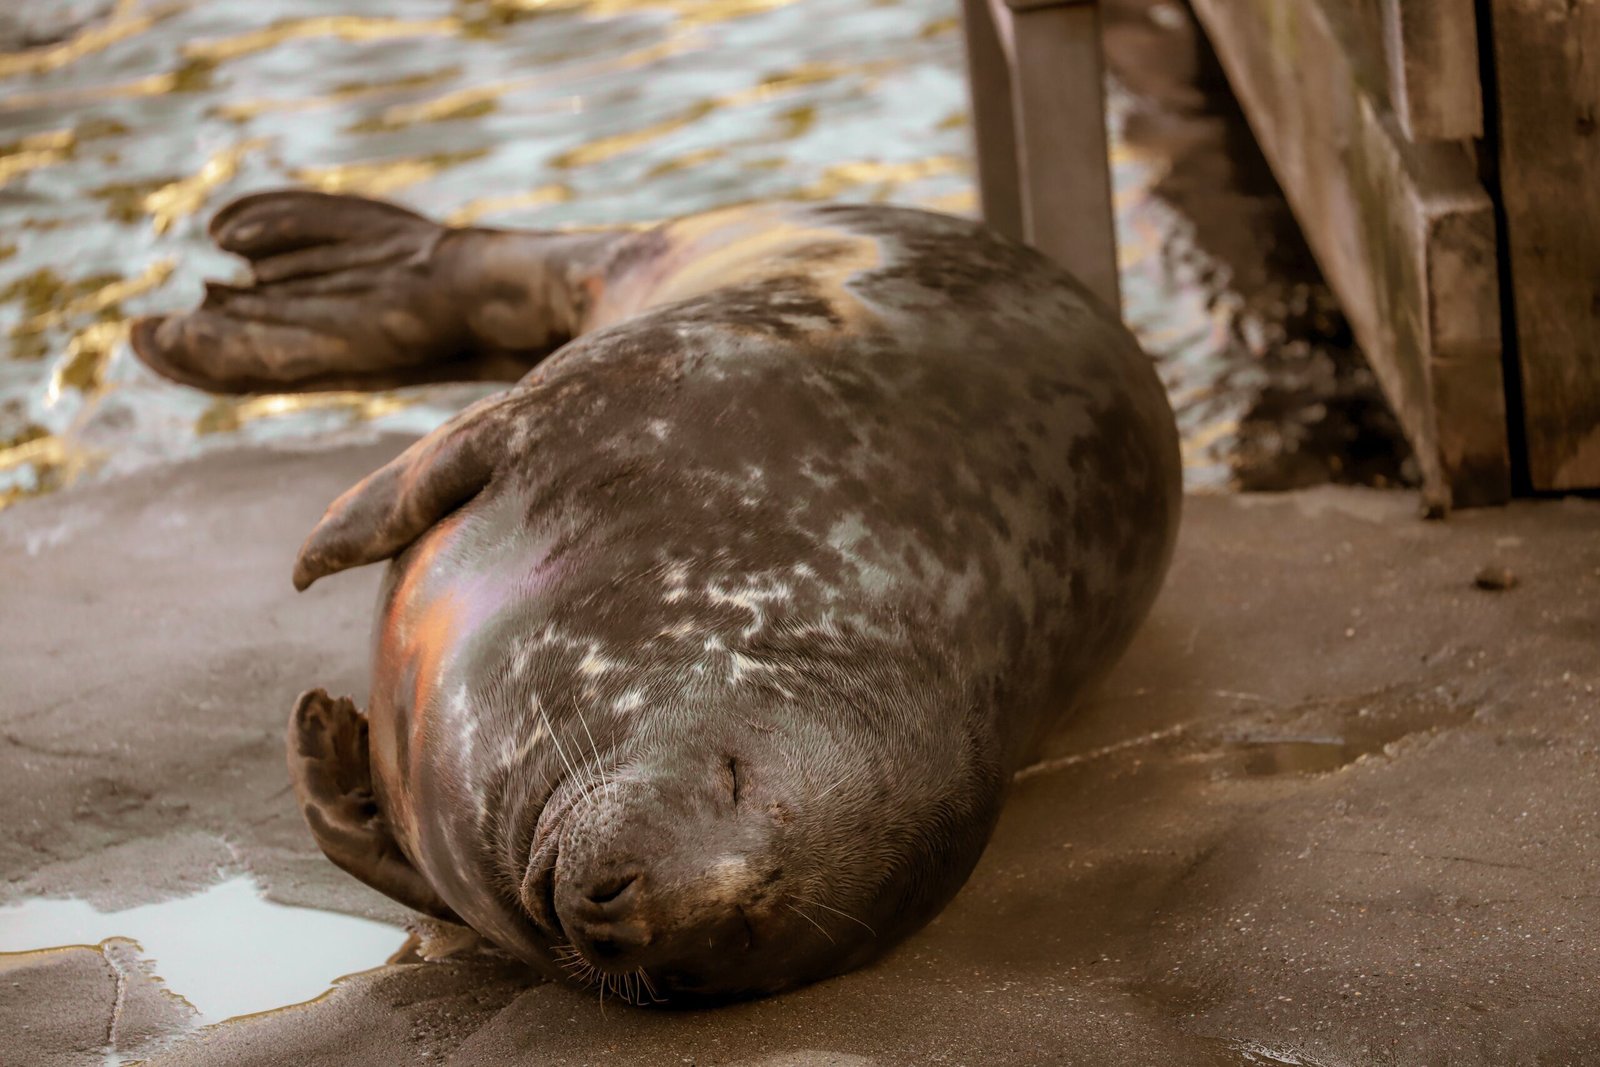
{"points": [[709, 647]]}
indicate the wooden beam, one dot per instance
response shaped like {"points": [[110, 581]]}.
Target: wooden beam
{"points": [[1431, 51], [1058, 99], [1404, 233], [993, 126], [1547, 65], [1038, 104]]}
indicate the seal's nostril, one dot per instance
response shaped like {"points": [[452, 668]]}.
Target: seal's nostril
{"points": [[610, 890]]}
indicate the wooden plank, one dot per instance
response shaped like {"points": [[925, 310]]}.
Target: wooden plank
{"points": [[1432, 58], [1547, 64], [995, 143], [1058, 100], [1404, 233], [1419, 60], [1465, 367]]}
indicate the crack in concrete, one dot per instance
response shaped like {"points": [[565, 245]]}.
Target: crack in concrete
{"points": [[56, 753], [116, 1003], [1436, 857], [1049, 766]]}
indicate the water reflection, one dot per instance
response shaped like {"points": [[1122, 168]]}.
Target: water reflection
{"points": [[227, 951], [124, 135], [121, 137]]}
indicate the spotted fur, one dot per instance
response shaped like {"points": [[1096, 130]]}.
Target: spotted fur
{"points": [[857, 499]]}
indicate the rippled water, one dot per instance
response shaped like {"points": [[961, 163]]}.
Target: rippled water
{"points": [[119, 139]]}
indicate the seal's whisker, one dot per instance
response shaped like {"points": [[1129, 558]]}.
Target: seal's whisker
{"points": [[830, 789], [812, 921], [556, 740], [584, 974], [836, 911], [594, 752], [649, 987]]}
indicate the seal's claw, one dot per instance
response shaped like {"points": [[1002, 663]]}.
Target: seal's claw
{"points": [[331, 769]]}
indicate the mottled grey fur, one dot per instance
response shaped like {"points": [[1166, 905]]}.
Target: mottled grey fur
{"points": [[750, 602]]}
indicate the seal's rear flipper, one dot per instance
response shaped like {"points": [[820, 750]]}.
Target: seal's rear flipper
{"points": [[347, 293], [330, 767], [394, 505]]}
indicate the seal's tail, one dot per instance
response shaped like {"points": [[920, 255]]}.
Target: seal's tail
{"points": [[346, 292]]}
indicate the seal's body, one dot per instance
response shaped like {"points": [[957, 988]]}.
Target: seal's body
{"points": [[709, 647]]}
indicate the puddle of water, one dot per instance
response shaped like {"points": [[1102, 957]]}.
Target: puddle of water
{"points": [[227, 950], [1257, 741], [1259, 757], [1321, 740]]}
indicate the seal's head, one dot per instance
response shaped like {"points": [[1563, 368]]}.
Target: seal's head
{"points": [[711, 847], [733, 848]]}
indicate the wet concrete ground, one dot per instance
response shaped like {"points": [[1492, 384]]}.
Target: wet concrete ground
{"points": [[1338, 806]]}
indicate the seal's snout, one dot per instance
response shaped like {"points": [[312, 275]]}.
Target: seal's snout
{"points": [[662, 873], [668, 922], [608, 916]]}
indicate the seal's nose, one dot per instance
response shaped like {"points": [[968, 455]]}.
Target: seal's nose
{"points": [[606, 915], [672, 866], [624, 906], [620, 920]]}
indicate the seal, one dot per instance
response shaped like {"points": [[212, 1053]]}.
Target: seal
{"points": [[707, 649]]}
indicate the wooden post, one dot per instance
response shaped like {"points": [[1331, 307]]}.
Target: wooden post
{"points": [[1039, 118], [1431, 48], [1547, 66], [993, 127]]}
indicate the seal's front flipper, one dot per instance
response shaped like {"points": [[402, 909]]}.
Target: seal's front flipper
{"points": [[347, 293], [330, 767], [395, 504]]}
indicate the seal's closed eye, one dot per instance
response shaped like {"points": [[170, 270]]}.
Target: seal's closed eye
{"points": [[331, 770]]}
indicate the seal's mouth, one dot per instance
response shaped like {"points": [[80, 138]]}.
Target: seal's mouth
{"points": [[539, 883]]}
